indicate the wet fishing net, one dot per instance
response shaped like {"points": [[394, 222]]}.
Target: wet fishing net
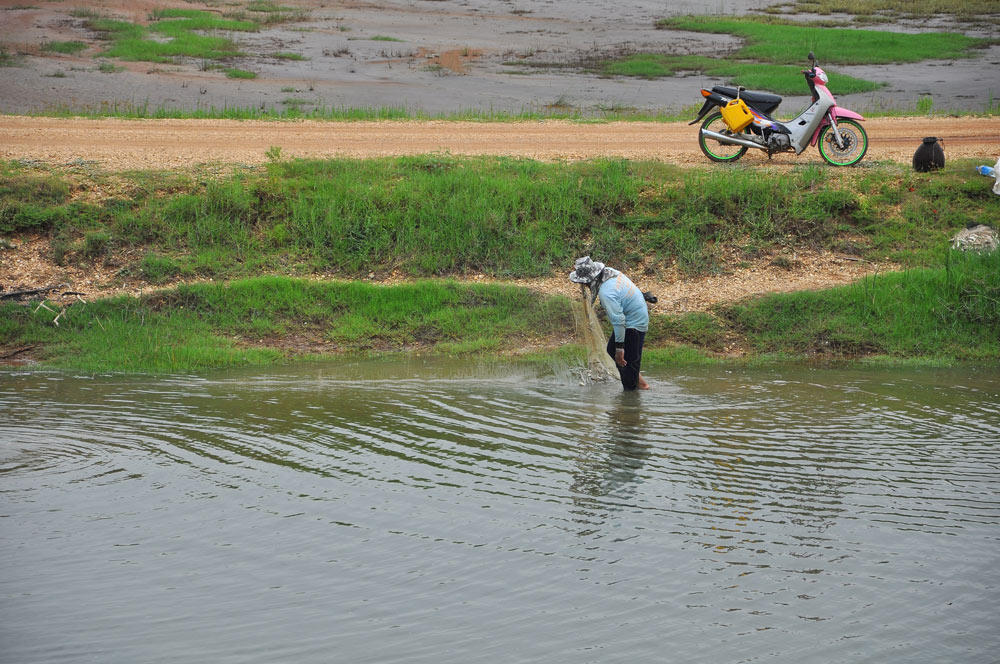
{"points": [[600, 366]]}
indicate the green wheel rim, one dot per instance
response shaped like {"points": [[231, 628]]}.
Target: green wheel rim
{"points": [[855, 150], [712, 154]]}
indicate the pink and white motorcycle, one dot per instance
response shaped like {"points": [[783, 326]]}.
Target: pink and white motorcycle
{"points": [[741, 121]]}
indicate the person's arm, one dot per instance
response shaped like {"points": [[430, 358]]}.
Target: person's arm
{"points": [[613, 308]]}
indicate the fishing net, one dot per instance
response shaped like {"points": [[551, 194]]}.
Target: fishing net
{"points": [[600, 366]]}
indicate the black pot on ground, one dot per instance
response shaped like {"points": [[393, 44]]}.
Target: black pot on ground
{"points": [[929, 156]]}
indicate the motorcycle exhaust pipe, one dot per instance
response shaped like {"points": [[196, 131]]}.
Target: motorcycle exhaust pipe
{"points": [[731, 140]]}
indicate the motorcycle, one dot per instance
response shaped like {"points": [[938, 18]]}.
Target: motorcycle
{"points": [[741, 120]]}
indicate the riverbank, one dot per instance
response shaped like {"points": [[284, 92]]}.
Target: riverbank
{"points": [[186, 270], [922, 315]]}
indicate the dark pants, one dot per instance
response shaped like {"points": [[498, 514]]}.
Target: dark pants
{"points": [[633, 357]]}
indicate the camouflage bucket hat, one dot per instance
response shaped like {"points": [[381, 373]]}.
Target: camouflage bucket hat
{"points": [[585, 270]]}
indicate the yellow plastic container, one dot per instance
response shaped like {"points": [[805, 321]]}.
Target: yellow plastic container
{"points": [[736, 115]]}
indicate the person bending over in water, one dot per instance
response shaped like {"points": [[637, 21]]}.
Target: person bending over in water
{"points": [[626, 309]]}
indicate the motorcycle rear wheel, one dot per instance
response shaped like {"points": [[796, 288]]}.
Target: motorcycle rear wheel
{"points": [[855, 143], [719, 151]]}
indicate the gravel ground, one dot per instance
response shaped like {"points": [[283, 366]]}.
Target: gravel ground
{"points": [[129, 144]]}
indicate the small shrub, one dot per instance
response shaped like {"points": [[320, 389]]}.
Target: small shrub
{"points": [[158, 269], [95, 244], [83, 12], [64, 47], [240, 73], [30, 202], [60, 246], [7, 59]]}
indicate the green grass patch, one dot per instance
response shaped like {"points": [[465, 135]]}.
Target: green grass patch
{"points": [[286, 55], [441, 215], [64, 47], [204, 326], [267, 7], [774, 51], [270, 13], [7, 59], [952, 311], [239, 73], [174, 33], [384, 38], [597, 114], [784, 42], [780, 79], [31, 201], [85, 12], [969, 10]]}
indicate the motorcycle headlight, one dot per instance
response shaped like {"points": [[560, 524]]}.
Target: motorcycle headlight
{"points": [[821, 77]]}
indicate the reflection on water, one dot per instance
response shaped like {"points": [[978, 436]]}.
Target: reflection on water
{"points": [[432, 511]]}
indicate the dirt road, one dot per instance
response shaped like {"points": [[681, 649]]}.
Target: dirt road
{"points": [[153, 144]]}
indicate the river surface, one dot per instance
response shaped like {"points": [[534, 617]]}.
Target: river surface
{"points": [[437, 511]]}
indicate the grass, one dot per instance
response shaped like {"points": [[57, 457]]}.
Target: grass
{"points": [[442, 216], [7, 59], [267, 7], [950, 311], [239, 73], [602, 113], [972, 10], [203, 326], [284, 55], [384, 38], [174, 33], [270, 13], [780, 79], [774, 51], [64, 47], [352, 114], [784, 42], [85, 12], [939, 315]]}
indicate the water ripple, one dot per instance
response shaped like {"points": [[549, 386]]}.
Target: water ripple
{"points": [[385, 510]]}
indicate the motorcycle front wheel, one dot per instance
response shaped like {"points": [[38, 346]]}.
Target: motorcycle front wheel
{"points": [[715, 150], [855, 143]]}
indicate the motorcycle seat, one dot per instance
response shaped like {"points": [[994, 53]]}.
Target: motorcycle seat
{"points": [[762, 100]]}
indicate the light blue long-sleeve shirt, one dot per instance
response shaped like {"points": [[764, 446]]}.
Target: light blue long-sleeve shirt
{"points": [[624, 304]]}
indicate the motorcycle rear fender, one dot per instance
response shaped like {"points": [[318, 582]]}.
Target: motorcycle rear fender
{"points": [[711, 101], [838, 112]]}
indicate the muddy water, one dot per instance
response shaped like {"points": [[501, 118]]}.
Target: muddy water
{"points": [[436, 512]]}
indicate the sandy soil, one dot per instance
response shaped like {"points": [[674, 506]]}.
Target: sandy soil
{"points": [[134, 144]]}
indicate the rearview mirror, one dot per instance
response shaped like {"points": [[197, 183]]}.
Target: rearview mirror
{"points": [[811, 56]]}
